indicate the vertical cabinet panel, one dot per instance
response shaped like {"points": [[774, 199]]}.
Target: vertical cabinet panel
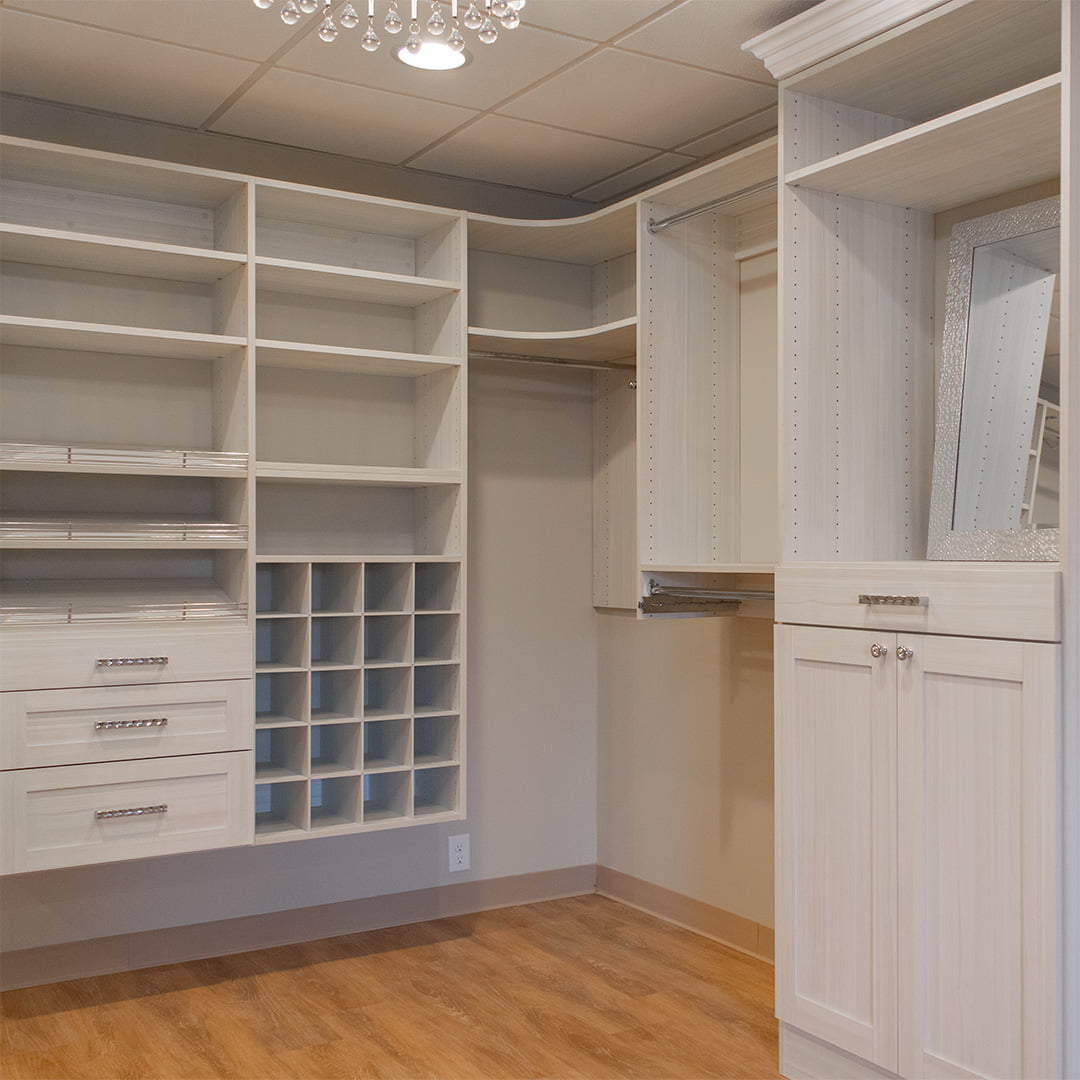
{"points": [[836, 855], [976, 915]]}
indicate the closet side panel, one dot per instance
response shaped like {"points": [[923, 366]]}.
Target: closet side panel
{"points": [[615, 568]]}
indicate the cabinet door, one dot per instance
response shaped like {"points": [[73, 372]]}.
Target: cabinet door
{"points": [[977, 791], [836, 852]]}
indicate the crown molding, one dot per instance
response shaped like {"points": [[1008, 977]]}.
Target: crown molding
{"points": [[829, 28]]}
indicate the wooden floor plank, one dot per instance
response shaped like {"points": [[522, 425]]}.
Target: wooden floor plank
{"points": [[577, 989]]}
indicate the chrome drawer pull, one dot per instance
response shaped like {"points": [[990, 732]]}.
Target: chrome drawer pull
{"points": [[132, 661], [874, 599], [116, 725], [132, 811]]}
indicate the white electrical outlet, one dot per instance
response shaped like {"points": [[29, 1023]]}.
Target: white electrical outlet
{"points": [[459, 853]]}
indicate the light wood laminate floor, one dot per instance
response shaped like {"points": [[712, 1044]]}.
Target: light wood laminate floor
{"points": [[578, 988]]}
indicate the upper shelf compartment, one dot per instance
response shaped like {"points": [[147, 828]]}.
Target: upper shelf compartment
{"points": [[1021, 125], [107, 195], [351, 232]]}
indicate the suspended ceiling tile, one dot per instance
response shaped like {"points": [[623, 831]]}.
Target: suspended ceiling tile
{"points": [[632, 179], [710, 33], [598, 20], [626, 96], [505, 151], [751, 127], [232, 27], [300, 110], [58, 61], [518, 58]]}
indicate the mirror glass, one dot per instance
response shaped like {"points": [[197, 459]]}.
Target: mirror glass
{"points": [[996, 460]]}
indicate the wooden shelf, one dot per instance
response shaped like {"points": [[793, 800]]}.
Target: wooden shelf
{"points": [[127, 461], [1021, 126], [616, 341], [79, 251], [302, 472], [585, 240], [106, 338], [341, 283], [93, 531], [358, 361]]}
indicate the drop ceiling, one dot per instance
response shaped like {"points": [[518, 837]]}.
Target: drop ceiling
{"points": [[588, 98]]}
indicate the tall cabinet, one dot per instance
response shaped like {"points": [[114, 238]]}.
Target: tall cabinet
{"points": [[918, 703]]}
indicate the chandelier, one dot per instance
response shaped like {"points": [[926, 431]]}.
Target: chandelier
{"points": [[484, 17]]}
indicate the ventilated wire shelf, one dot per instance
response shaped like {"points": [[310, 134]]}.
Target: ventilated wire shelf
{"points": [[13, 453], [78, 528], [51, 602]]}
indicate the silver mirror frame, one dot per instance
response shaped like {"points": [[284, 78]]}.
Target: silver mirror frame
{"points": [[944, 542]]}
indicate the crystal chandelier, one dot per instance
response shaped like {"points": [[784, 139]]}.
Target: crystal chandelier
{"points": [[480, 16]]}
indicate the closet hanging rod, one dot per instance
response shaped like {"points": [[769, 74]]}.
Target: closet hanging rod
{"points": [[678, 591], [553, 361], [684, 215]]}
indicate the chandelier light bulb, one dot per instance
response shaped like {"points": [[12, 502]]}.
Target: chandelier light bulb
{"points": [[308, 6], [327, 30], [487, 33], [511, 20], [413, 44], [500, 8], [370, 41], [393, 23], [349, 18], [473, 19], [264, 4], [436, 25], [290, 13], [517, 5], [455, 40]]}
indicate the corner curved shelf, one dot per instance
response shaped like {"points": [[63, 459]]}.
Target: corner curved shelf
{"points": [[611, 342]]}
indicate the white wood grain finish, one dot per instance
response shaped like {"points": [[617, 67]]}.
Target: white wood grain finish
{"points": [[49, 814], [610, 343], [106, 338], [42, 658], [802, 1057], [343, 283], [300, 355], [615, 555], [1022, 125], [836, 822], [355, 474], [585, 240], [688, 381], [57, 727], [1014, 601], [937, 61], [977, 792]]}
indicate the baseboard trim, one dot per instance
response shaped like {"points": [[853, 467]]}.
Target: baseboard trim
{"points": [[151, 948], [705, 919]]}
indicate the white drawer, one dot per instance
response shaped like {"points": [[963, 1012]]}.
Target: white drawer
{"points": [[1016, 601], [40, 658], [50, 816], [119, 723]]}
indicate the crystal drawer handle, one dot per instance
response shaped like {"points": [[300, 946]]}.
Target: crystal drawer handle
{"points": [[904, 653], [116, 725], [876, 599], [132, 661], [131, 811], [877, 651]]}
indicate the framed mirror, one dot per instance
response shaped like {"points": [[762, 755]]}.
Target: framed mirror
{"points": [[996, 484]]}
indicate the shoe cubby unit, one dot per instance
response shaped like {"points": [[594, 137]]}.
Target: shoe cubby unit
{"points": [[375, 694], [551, 289], [435, 790]]}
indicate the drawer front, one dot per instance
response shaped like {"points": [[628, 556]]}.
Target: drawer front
{"points": [[119, 723], [41, 658], [80, 814], [1014, 601]]}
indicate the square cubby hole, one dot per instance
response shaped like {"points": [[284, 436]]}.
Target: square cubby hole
{"points": [[335, 695], [435, 791], [436, 587], [435, 740], [386, 744], [387, 639], [280, 752], [280, 643], [386, 796], [387, 586], [281, 808], [335, 748], [335, 641], [336, 588], [387, 692], [436, 689], [281, 698], [436, 637], [281, 588], [335, 800]]}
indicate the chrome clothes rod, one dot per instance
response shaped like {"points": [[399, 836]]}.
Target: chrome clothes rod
{"points": [[551, 361], [663, 599], [684, 215]]}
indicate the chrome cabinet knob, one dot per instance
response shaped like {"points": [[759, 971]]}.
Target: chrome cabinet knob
{"points": [[903, 653], [877, 650]]}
